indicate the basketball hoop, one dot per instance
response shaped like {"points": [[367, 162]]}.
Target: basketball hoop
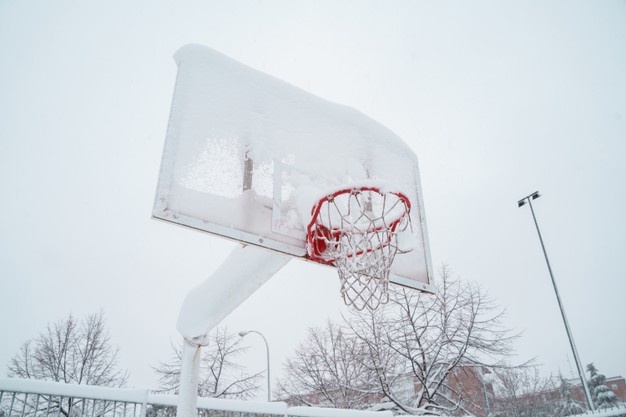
{"points": [[356, 229]]}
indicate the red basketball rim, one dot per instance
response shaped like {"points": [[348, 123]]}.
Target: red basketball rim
{"points": [[319, 234]]}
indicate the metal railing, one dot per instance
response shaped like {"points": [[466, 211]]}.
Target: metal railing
{"points": [[31, 398], [618, 410]]}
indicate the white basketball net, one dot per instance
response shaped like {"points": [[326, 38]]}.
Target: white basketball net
{"points": [[357, 231]]}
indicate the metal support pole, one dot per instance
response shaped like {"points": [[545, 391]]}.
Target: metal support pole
{"points": [[188, 385], [245, 270], [267, 349], [570, 337]]}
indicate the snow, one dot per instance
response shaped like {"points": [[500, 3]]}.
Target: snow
{"points": [[144, 396], [604, 413], [250, 103], [240, 275], [279, 408], [334, 412], [248, 155], [72, 390], [141, 396], [224, 109], [189, 375]]}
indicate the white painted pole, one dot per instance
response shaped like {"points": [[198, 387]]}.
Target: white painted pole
{"points": [[237, 278], [188, 386]]}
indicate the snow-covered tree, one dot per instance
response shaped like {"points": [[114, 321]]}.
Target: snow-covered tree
{"points": [[328, 369], [70, 351], [434, 337], [220, 375], [524, 392], [568, 406], [602, 396], [415, 352]]}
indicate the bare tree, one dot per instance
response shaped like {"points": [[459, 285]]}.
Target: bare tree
{"points": [[437, 338], [220, 375], [327, 369], [419, 354], [70, 351], [568, 405], [524, 392]]}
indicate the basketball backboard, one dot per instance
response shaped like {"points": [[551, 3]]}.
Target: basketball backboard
{"points": [[247, 156]]}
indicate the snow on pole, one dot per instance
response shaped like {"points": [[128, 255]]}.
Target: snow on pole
{"points": [[240, 275], [188, 386]]}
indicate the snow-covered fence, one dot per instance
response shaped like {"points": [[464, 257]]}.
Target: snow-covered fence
{"points": [[31, 398], [617, 411]]}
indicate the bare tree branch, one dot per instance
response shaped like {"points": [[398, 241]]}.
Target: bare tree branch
{"points": [[69, 351], [220, 375], [72, 352], [417, 353]]}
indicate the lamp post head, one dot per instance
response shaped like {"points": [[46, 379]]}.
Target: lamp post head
{"points": [[243, 333], [527, 199]]}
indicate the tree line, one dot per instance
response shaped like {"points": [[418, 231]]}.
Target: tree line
{"points": [[445, 353]]}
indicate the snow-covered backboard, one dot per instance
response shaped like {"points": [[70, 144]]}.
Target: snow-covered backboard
{"points": [[247, 156]]}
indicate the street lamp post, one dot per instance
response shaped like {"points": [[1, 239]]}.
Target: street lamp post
{"points": [[267, 348], [528, 199]]}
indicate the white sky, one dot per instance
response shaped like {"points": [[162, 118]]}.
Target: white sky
{"points": [[498, 99]]}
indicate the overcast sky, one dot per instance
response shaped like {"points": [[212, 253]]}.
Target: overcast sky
{"points": [[497, 99]]}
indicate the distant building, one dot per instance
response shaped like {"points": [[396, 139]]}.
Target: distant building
{"points": [[472, 388], [467, 386], [544, 401], [617, 384]]}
